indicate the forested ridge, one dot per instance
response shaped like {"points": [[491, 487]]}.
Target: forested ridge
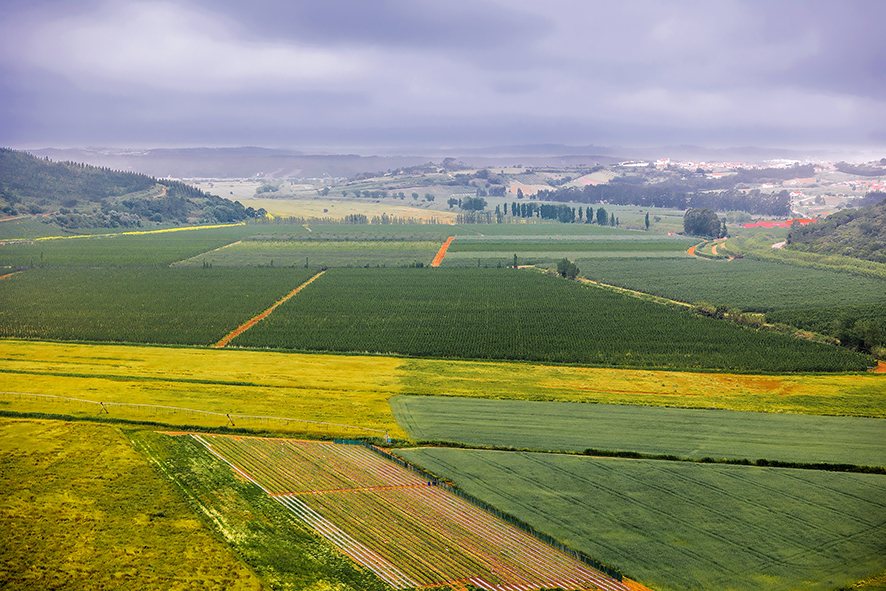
{"points": [[858, 233], [74, 195]]}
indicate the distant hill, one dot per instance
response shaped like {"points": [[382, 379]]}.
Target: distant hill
{"points": [[225, 163], [858, 233], [75, 196]]}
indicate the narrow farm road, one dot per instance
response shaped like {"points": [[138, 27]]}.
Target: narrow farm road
{"points": [[246, 326], [442, 252]]}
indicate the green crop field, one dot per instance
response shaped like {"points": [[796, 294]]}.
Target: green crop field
{"points": [[676, 526], [139, 305], [359, 232], [317, 253], [530, 250], [686, 433], [744, 283], [620, 243], [131, 250], [827, 320], [510, 314]]}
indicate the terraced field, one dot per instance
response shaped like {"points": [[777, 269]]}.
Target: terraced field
{"points": [[391, 521]]}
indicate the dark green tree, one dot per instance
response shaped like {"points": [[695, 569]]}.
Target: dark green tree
{"points": [[473, 204], [567, 268], [647, 220], [602, 217], [701, 222]]}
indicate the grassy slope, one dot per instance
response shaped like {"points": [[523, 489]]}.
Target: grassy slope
{"points": [[677, 526], [81, 509], [692, 433]]}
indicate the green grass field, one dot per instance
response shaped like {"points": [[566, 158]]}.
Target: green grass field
{"points": [[686, 433], [81, 509], [743, 283], [676, 526]]}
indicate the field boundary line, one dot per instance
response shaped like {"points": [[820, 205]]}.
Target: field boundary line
{"points": [[228, 416], [253, 321], [489, 509], [442, 252]]}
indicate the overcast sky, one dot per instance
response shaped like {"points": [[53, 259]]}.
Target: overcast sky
{"points": [[363, 74]]}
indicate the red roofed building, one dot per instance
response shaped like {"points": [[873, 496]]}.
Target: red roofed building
{"points": [[779, 224]]}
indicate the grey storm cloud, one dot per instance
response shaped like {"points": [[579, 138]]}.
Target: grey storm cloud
{"points": [[317, 73]]}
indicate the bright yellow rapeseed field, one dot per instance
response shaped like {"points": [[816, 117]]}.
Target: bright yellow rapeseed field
{"points": [[353, 390]]}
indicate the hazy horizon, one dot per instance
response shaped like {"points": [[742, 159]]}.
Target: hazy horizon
{"points": [[413, 76]]}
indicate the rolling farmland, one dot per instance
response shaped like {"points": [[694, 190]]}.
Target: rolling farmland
{"points": [[494, 333], [391, 521], [677, 526], [687, 433], [524, 315]]}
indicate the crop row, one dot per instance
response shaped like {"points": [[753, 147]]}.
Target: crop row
{"points": [[139, 305], [521, 315], [282, 466], [748, 284], [407, 532], [597, 245], [677, 525], [252, 253], [435, 538], [139, 250]]}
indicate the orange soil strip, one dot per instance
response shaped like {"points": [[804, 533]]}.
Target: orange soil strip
{"points": [[9, 274], [244, 327], [692, 250], [881, 367], [442, 252], [634, 585]]}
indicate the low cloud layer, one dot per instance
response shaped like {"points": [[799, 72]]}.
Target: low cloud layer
{"points": [[326, 74]]}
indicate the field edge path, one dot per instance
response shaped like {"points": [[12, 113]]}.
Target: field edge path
{"points": [[249, 324], [442, 252]]}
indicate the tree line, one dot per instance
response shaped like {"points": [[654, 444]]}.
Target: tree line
{"points": [[673, 197]]}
